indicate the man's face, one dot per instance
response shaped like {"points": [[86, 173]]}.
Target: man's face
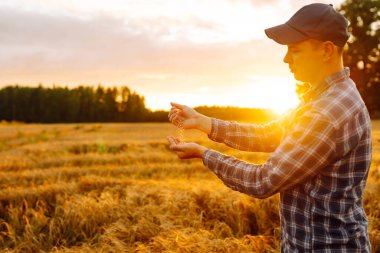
{"points": [[305, 60]]}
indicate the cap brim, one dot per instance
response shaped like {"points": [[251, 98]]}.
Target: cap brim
{"points": [[285, 34]]}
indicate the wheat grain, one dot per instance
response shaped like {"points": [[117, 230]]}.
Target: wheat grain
{"points": [[180, 130]]}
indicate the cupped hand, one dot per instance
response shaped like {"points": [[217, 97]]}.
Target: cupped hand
{"points": [[185, 150]]}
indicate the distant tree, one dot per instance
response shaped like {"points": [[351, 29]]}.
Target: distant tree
{"points": [[99, 104], [5, 104], [123, 99], [363, 53], [135, 109], [110, 99]]}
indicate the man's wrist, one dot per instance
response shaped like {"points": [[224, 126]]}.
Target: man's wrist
{"points": [[205, 124], [202, 150]]}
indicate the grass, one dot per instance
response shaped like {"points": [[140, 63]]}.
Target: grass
{"points": [[117, 188]]}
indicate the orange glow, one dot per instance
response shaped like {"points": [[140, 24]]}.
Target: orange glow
{"points": [[264, 92]]}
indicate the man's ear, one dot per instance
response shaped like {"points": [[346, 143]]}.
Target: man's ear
{"points": [[328, 50]]}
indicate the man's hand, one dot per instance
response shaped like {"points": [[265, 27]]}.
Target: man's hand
{"points": [[186, 150], [190, 118]]}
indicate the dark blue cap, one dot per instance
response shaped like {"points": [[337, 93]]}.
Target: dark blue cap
{"points": [[314, 21]]}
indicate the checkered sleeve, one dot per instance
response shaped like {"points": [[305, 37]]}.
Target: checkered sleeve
{"points": [[248, 137], [308, 147]]}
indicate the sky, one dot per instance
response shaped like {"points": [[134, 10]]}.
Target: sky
{"points": [[193, 52]]}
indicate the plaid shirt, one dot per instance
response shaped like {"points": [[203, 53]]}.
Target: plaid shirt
{"points": [[321, 154]]}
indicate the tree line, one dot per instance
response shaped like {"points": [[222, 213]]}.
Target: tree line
{"points": [[63, 105], [88, 104]]}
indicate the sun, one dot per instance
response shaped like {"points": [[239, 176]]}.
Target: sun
{"points": [[281, 102], [277, 94], [280, 109]]}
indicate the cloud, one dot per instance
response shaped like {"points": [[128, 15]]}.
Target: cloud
{"points": [[257, 3], [264, 2], [32, 42], [297, 4], [103, 38]]}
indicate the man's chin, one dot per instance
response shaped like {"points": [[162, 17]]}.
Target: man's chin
{"points": [[299, 78]]}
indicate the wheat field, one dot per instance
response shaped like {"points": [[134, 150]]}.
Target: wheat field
{"points": [[117, 188]]}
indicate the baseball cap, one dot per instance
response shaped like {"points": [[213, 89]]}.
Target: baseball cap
{"points": [[314, 21]]}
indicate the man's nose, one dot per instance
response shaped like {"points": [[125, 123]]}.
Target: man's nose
{"points": [[287, 58]]}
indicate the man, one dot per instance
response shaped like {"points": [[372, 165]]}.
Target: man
{"points": [[321, 152]]}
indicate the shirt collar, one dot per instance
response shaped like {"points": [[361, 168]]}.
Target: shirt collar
{"points": [[316, 90]]}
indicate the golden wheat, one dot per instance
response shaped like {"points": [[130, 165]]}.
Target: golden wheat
{"points": [[117, 188]]}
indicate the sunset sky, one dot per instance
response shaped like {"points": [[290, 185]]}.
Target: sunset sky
{"points": [[194, 52]]}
